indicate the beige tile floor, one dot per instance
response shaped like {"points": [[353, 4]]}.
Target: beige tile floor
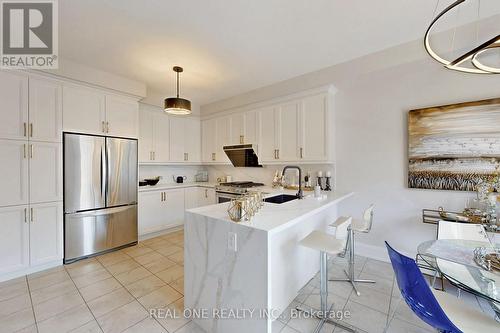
{"points": [[114, 292]]}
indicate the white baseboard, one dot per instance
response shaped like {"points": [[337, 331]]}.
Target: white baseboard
{"points": [[28, 271], [161, 232], [375, 252]]}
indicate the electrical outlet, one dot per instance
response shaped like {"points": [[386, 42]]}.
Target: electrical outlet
{"points": [[232, 241]]}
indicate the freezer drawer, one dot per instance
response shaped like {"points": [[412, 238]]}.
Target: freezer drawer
{"points": [[121, 172], [91, 232], [84, 172]]}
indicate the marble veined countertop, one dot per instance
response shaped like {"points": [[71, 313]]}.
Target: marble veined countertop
{"points": [[170, 186], [277, 217]]}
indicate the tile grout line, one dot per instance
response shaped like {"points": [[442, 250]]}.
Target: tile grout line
{"points": [[136, 299], [31, 301]]}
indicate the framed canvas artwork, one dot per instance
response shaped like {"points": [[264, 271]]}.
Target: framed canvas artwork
{"points": [[454, 147]]}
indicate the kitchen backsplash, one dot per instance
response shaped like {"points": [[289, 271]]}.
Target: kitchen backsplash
{"points": [[262, 175]]}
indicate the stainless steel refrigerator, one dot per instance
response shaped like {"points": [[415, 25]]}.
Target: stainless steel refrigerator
{"points": [[100, 194]]}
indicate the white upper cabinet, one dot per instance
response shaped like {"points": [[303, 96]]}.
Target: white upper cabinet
{"points": [[14, 109], [243, 128], [14, 175], [45, 172], [315, 131], [122, 116], [45, 110], [83, 110], [208, 140], [46, 233], [14, 239], [268, 128], [93, 111], [288, 131], [185, 139]]}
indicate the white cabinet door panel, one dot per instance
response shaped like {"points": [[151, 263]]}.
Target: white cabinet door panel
{"points": [[46, 233], [122, 116], [191, 197], [45, 172], [146, 137], [161, 141], [174, 207], [250, 134], [14, 239], [14, 175], [83, 110], [223, 134], [45, 110], [314, 136], [267, 134], [206, 196], [237, 128], [192, 139], [288, 139], [208, 141], [152, 216], [177, 139], [14, 108]]}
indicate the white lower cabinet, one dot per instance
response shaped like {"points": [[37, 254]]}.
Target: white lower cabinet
{"points": [[199, 196], [32, 235], [160, 210], [46, 233], [14, 239], [14, 175]]}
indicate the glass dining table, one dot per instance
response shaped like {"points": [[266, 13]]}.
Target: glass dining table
{"points": [[454, 260]]}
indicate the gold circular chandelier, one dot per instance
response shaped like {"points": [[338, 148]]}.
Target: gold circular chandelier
{"points": [[472, 57]]}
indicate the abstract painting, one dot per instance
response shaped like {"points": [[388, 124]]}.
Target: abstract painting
{"points": [[454, 147]]}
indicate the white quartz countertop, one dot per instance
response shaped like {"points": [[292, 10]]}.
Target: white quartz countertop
{"points": [[277, 217], [170, 186]]}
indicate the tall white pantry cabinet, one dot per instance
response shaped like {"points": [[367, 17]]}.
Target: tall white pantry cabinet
{"points": [[31, 209]]}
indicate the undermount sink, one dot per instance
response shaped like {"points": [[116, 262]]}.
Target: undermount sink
{"points": [[279, 199]]}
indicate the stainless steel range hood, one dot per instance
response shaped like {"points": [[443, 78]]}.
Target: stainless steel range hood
{"points": [[243, 155]]}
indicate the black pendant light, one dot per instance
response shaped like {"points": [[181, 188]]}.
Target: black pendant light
{"points": [[177, 105]]}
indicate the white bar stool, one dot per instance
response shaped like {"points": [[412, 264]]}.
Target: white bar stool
{"points": [[364, 225], [326, 245]]}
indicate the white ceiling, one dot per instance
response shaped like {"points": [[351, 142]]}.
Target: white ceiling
{"points": [[228, 47]]}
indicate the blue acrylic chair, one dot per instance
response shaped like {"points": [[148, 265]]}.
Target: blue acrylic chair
{"points": [[431, 305]]}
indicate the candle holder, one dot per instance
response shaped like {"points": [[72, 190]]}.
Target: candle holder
{"points": [[328, 187], [320, 182]]}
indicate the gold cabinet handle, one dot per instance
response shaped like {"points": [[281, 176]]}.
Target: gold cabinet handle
{"points": [[187, 156], [161, 199], [242, 139], [31, 215], [164, 196], [107, 127], [24, 150], [301, 152], [213, 156], [25, 215], [206, 193], [154, 156], [31, 130], [103, 126], [278, 153], [31, 151], [25, 133]]}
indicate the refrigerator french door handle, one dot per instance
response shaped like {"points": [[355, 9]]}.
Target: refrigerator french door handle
{"points": [[104, 172]]}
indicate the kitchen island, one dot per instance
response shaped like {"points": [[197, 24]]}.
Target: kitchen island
{"points": [[240, 276]]}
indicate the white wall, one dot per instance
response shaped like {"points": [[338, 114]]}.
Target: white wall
{"points": [[372, 146], [374, 96]]}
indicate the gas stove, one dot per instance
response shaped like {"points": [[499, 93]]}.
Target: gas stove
{"points": [[236, 187]]}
